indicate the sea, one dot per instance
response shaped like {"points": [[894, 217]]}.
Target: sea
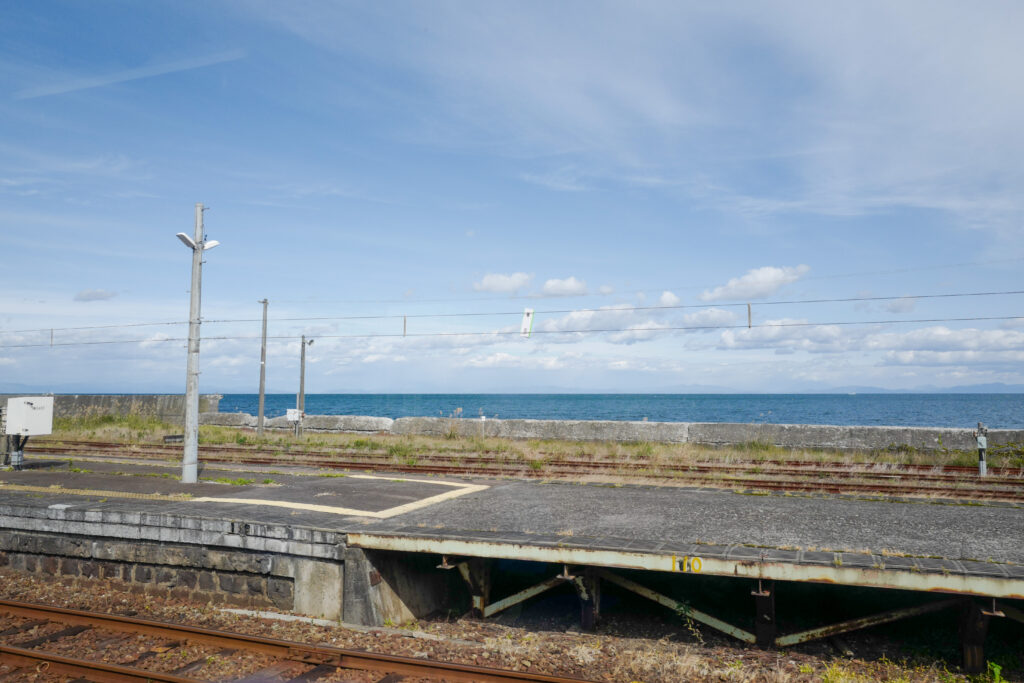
{"points": [[997, 411]]}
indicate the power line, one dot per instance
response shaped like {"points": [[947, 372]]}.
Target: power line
{"points": [[507, 333], [514, 297], [616, 309], [469, 314], [92, 327]]}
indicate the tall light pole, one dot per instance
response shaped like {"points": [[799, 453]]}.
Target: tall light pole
{"points": [[300, 400], [263, 370], [198, 244]]}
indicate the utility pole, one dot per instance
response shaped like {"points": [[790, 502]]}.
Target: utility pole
{"points": [[263, 370], [190, 458], [300, 401]]}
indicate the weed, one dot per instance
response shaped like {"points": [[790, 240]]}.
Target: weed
{"points": [[644, 450], [399, 450], [232, 482]]}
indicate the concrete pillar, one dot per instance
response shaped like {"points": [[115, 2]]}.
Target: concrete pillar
{"points": [[382, 588], [319, 588]]}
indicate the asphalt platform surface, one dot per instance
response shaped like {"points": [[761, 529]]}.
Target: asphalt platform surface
{"points": [[595, 515]]}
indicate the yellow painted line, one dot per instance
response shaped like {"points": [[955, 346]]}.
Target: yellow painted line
{"points": [[459, 490], [93, 492]]}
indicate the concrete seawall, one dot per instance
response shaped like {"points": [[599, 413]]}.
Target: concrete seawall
{"points": [[707, 433], [167, 407]]}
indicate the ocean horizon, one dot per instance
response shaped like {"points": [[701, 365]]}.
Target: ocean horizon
{"points": [[997, 411]]}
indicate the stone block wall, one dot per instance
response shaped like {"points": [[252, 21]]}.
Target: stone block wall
{"points": [[167, 407], [184, 572]]}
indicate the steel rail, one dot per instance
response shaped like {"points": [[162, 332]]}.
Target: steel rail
{"points": [[98, 672], [283, 649], [830, 467]]}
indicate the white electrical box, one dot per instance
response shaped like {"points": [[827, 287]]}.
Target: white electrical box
{"points": [[29, 415]]}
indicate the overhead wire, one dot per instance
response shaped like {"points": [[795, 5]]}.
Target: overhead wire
{"points": [[512, 297], [609, 309], [503, 333]]}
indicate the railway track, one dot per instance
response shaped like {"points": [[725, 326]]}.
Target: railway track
{"points": [[1005, 484], [88, 646]]}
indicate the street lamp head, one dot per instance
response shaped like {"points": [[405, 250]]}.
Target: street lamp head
{"points": [[186, 240], [310, 342], [210, 244]]}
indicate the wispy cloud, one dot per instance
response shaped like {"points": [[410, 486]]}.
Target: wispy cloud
{"points": [[757, 283], [95, 295], [149, 71], [570, 286], [505, 284]]}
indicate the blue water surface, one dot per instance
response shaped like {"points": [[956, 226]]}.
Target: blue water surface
{"points": [[997, 411]]}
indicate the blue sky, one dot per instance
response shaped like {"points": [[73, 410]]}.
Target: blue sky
{"points": [[582, 159]]}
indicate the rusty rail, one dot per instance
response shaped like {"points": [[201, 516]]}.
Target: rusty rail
{"points": [[281, 649], [1006, 484]]}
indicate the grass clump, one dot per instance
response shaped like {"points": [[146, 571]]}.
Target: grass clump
{"points": [[231, 482], [127, 427]]}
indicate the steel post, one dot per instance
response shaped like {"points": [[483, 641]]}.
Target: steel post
{"points": [[588, 589], [476, 572], [973, 629], [263, 370], [765, 629]]}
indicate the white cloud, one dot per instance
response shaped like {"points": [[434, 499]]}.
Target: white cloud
{"points": [[501, 359], [570, 286], [788, 334], [709, 317], [561, 180], [940, 358], [941, 338], [757, 283], [505, 284], [668, 299], [925, 120], [605, 290], [904, 305], [639, 332], [95, 295]]}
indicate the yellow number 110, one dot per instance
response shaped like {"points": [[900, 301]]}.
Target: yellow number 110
{"points": [[690, 564]]}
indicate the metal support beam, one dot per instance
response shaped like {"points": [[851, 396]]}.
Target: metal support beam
{"points": [[521, 596], [1011, 612], [680, 607], [862, 622], [588, 589], [476, 572], [973, 629], [764, 616]]}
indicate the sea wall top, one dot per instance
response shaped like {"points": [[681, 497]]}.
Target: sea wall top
{"points": [[167, 407], [710, 433]]}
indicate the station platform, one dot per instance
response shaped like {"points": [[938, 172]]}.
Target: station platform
{"points": [[971, 549], [371, 548]]}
